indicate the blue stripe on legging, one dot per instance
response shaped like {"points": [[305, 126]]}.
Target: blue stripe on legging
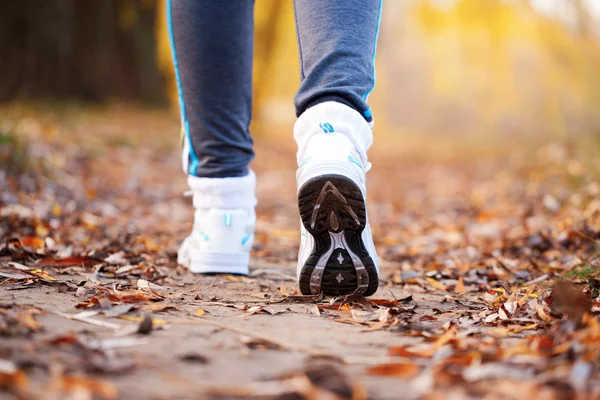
{"points": [[194, 158], [374, 50]]}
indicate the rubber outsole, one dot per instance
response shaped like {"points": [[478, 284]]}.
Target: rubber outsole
{"points": [[332, 209]]}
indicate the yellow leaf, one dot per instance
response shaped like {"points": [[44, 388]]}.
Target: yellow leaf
{"points": [[199, 312], [42, 274], [435, 284], [283, 290], [155, 321]]}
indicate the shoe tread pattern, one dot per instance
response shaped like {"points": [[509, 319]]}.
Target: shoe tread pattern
{"points": [[332, 204]]}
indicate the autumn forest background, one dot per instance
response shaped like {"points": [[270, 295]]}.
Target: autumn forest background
{"points": [[452, 66]]}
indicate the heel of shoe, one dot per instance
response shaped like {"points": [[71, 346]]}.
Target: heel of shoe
{"points": [[219, 263], [333, 212]]}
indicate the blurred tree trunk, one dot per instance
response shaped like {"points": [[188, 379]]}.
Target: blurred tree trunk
{"points": [[91, 50]]}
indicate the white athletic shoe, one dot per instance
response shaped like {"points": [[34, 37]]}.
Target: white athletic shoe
{"points": [[337, 255], [224, 221]]}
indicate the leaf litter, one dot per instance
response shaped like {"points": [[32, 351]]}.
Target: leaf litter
{"points": [[490, 281]]}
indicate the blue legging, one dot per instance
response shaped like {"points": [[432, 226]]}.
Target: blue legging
{"points": [[212, 45]]}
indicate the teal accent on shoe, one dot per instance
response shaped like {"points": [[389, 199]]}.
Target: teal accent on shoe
{"points": [[303, 163], [303, 234], [327, 127], [227, 219], [355, 161], [368, 113], [246, 238], [203, 235], [194, 161], [366, 95]]}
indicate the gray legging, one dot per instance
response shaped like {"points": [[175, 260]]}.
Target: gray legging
{"points": [[212, 45]]}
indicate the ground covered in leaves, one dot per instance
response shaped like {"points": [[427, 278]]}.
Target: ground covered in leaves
{"points": [[489, 287]]}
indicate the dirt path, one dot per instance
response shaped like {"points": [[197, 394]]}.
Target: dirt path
{"points": [[489, 285]]}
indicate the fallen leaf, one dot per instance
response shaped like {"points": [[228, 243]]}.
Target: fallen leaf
{"points": [[511, 307], [33, 243], [15, 275], [144, 284], [155, 321], [539, 309], [116, 258], [570, 300], [364, 316], [67, 262], [100, 388], [199, 312], [425, 351], [491, 318], [195, 358], [157, 307], [394, 369], [13, 379], [145, 326], [253, 310], [435, 284], [273, 310], [118, 310], [258, 343], [460, 286]]}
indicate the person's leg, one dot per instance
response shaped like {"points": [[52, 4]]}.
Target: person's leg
{"points": [[337, 41], [212, 46]]}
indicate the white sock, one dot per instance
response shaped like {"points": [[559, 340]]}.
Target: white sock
{"points": [[342, 119], [226, 193]]}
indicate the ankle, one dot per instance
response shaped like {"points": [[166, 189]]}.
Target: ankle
{"points": [[224, 193], [330, 117]]}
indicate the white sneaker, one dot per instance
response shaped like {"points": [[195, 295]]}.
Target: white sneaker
{"points": [[337, 255], [224, 221]]}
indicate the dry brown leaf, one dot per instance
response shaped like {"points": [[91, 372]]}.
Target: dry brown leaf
{"points": [[425, 352], [157, 307], [67, 262], [33, 243], [402, 351], [258, 343], [13, 379], [394, 369], [145, 326], [570, 300], [460, 286], [283, 289], [100, 388], [539, 309]]}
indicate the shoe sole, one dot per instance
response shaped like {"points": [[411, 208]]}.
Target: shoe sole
{"points": [[332, 209], [202, 262]]}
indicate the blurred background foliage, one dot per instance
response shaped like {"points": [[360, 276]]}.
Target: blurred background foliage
{"points": [[457, 67]]}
